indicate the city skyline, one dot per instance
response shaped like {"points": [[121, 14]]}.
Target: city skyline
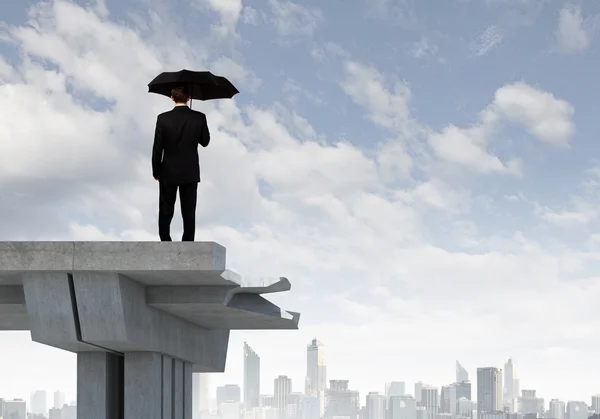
{"points": [[218, 380]]}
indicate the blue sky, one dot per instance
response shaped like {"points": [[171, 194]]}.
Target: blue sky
{"points": [[426, 173]]}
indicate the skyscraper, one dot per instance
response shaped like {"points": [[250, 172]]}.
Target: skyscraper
{"points": [[430, 400], [402, 407], [38, 403], [395, 388], [557, 409], [376, 406], [448, 399], [282, 390], [577, 410], [596, 403], [489, 390], [341, 401], [461, 373], [511, 387], [251, 378], [201, 396], [228, 393], [15, 409], [418, 387], [316, 372], [59, 399]]}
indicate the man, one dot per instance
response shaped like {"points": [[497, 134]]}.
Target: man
{"points": [[175, 162]]}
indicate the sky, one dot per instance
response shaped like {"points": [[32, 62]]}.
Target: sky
{"points": [[425, 173]]}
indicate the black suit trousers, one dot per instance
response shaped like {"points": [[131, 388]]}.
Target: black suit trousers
{"points": [[188, 194]]}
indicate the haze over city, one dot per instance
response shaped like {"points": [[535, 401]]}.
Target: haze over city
{"points": [[426, 175]]}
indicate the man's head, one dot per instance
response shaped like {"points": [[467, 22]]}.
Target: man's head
{"points": [[180, 94]]}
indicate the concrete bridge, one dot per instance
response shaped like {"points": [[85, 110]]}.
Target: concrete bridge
{"points": [[141, 316]]}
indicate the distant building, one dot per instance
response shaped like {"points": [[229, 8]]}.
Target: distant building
{"points": [[38, 402], [402, 407], [489, 392], [376, 406], [251, 378], [511, 387], [529, 404], [282, 390], [316, 372], [228, 393], [596, 404], [430, 400], [557, 409], [69, 412], [577, 410], [341, 401], [59, 399], [461, 373], [55, 413], [230, 410], [395, 388], [15, 409]]}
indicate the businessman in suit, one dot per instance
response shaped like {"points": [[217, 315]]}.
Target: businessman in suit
{"points": [[175, 162]]}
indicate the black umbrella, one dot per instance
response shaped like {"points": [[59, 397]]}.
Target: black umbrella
{"points": [[203, 84]]}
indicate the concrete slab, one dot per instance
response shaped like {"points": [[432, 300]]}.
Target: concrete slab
{"points": [[173, 273]]}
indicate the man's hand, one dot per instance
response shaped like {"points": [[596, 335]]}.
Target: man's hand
{"points": [[156, 178]]}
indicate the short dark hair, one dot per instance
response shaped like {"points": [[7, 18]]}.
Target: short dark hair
{"points": [[180, 94]]}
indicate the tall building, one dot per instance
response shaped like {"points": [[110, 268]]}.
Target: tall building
{"points": [[394, 388], [341, 401], [557, 409], [430, 400], [448, 399], [511, 387], [529, 404], [38, 401], [402, 407], [489, 391], [282, 390], [316, 372], [463, 389], [418, 388], [229, 393], [596, 404], [15, 409], [251, 378], [376, 406], [201, 395], [59, 399], [464, 408], [461, 373], [577, 410]]}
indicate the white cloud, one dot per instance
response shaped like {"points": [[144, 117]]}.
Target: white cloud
{"points": [[291, 18], [238, 74], [571, 35], [424, 48], [547, 118], [366, 86], [229, 12], [542, 115], [490, 38]]}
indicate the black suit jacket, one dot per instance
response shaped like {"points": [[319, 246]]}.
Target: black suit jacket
{"points": [[176, 138]]}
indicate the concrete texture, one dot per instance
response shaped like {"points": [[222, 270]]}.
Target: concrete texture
{"points": [[142, 316], [99, 385], [143, 382]]}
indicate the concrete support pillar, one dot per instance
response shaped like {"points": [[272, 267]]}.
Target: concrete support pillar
{"points": [[99, 385], [157, 387]]}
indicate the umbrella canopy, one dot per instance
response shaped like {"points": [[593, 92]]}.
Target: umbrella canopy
{"points": [[203, 85]]}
